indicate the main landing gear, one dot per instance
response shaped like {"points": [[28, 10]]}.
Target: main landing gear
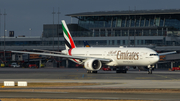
{"points": [[89, 71], [121, 69], [150, 71]]}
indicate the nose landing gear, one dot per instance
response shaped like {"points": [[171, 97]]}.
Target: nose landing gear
{"points": [[150, 71], [150, 67]]}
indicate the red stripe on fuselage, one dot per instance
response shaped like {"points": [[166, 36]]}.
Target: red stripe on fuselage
{"points": [[69, 51]]}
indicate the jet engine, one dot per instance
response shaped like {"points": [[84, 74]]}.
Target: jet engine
{"points": [[92, 64]]}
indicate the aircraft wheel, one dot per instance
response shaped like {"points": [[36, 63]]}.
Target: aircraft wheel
{"points": [[121, 71], [94, 71], [124, 71], [88, 71], [117, 71], [150, 71]]}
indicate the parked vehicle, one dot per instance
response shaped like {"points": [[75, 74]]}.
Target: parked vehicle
{"points": [[106, 68], [14, 64], [175, 68], [33, 66], [79, 66]]}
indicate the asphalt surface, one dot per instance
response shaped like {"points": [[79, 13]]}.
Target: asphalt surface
{"points": [[134, 79], [113, 96], [61, 73]]}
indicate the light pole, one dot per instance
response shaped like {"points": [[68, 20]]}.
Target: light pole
{"points": [[30, 31], [4, 33], [58, 36], [58, 28], [53, 27], [0, 26]]}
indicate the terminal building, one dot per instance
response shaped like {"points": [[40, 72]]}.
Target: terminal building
{"points": [[156, 29]]}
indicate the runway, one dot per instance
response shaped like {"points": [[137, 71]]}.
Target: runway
{"points": [[134, 79], [81, 74], [112, 96]]}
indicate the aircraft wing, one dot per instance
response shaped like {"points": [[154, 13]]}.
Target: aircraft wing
{"points": [[48, 51], [166, 53], [64, 56]]}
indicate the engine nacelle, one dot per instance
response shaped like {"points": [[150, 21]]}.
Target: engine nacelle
{"points": [[92, 64]]}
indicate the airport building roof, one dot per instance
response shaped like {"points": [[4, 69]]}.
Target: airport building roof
{"points": [[127, 12]]}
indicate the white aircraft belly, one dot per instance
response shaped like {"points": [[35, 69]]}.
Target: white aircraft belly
{"points": [[119, 56], [132, 63]]}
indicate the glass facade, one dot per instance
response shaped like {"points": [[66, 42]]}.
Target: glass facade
{"points": [[163, 20], [91, 42], [117, 25], [164, 24]]}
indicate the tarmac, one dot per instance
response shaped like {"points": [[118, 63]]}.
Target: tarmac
{"points": [[103, 96], [133, 79]]}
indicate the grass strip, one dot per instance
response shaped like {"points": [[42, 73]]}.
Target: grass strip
{"points": [[50, 85]]}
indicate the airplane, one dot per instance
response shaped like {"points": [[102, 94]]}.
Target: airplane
{"points": [[107, 68], [93, 58]]}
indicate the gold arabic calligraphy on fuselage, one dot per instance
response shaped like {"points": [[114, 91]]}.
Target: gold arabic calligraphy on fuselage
{"points": [[125, 55]]}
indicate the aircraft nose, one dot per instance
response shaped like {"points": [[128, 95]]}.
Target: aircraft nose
{"points": [[156, 59]]}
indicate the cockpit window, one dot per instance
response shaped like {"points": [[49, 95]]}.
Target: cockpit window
{"points": [[153, 54]]}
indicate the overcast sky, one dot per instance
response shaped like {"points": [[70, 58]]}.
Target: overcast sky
{"points": [[25, 14]]}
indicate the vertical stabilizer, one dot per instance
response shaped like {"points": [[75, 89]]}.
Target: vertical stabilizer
{"points": [[86, 44], [69, 43]]}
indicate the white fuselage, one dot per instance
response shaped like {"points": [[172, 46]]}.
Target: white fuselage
{"points": [[119, 56]]}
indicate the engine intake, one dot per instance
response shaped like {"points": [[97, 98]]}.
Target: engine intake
{"points": [[92, 64]]}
